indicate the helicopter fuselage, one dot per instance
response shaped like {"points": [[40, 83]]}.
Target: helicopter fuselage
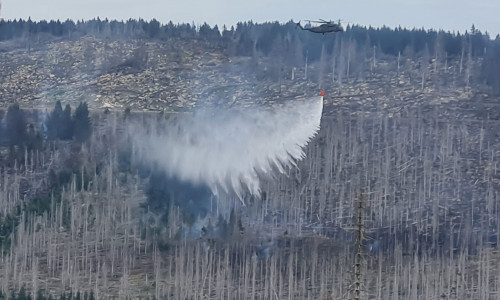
{"points": [[323, 28]]}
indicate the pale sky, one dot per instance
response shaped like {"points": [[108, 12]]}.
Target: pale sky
{"points": [[453, 15]]}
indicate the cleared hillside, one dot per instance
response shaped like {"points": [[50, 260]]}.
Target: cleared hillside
{"points": [[411, 138]]}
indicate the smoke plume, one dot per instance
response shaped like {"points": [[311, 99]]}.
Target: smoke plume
{"points": [[227, 150]]}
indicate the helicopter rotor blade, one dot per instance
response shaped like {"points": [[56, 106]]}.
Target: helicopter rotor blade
{"points": [[313, 21]]}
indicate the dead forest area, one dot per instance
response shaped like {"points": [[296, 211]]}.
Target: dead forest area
{"points": [[147, 66], [397, 197]]}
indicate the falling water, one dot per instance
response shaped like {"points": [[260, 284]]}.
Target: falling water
{"points": [[227, 149]]}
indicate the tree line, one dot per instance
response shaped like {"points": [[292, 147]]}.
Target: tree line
{"points": [[280, 41], [22, 134], [249, 35], [24, 295], [60, 124]]}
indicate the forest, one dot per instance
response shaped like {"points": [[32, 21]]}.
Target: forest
{"points": [[397, 200], [242, 37], [285, 44]]}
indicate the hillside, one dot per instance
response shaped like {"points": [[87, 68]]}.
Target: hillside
{"points": [[181, 73], [407, 155]]}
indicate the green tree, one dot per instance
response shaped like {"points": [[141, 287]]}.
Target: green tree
{"points": [[158, 194], [40, 296], [54, 122], [491, 65], [66, 132], [82, 123], [22, 294], [34, 139], [15, 125]]}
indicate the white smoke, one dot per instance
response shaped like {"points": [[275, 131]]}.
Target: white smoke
{"points": [[228, 149]]}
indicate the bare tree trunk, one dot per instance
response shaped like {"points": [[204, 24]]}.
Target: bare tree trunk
{"points": [[305, 68], [461, 59], [399, 57], [468, 67], [374, 58], [359, 245], [349, 48]]}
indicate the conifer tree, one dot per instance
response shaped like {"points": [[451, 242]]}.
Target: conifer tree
{"points": [[22, 294], [54, 122], [66, 132], [34, 140], [81, 122], [15, 125]]}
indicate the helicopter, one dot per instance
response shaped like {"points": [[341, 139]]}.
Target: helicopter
{"points": [[325, 27]]}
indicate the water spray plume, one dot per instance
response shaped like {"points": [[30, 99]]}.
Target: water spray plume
{"points": [[227, 150]]}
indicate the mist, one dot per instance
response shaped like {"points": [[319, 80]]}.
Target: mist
{"points": [[227, 150]]}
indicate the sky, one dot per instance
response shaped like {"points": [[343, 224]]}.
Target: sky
{"points": [[450, 15]]}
